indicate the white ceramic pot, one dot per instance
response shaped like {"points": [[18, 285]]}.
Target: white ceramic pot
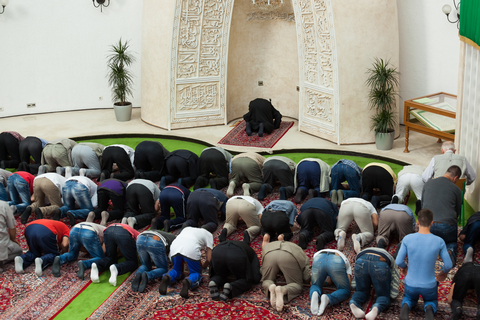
{"points": [[123, 113], [384, 141]]}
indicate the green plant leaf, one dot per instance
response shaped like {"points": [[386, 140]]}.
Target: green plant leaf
{"points": [[120, 78]]}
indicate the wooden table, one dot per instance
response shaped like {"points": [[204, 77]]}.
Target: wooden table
{"points": [[419, 127]]}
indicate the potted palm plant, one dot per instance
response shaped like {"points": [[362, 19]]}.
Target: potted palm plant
{"points": [[383, 83], [120, 78]]}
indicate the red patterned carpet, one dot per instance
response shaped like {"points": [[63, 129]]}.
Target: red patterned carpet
{"points": [[238, 137], [27, 296]]}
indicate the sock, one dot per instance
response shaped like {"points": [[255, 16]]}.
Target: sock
{"points": [[94, 273], [231, 189], [372, 315], [273, 295], [469, 255], [113, 275], [38, 266], [341, 240], [19, 265], [280, 292], [324, 301], [246, 189], [314, 304], [356, 243], [357, 312]]}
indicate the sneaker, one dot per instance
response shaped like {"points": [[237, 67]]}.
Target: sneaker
{"points": [[212, 286], [227, 288], [302, 241], [56, 266], [334, 198], [341, 240], [223, 235], [25, 215], [246, 189], [162, 289], [246, 237], [71, 217], [381, 244], [340, 197], [136, 281], [185, 287], [394, 199], [356, 243]]}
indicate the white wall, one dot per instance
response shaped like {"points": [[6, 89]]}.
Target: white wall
{"points": [[429, 49], [53, 53]]}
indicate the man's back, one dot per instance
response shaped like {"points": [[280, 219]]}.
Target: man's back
{"points": [[422, 251], [446, 160], [443, 198]]}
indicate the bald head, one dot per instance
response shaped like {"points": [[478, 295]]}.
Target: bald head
{"points": [[448, 145]]}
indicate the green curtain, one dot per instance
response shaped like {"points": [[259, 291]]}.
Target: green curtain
{"points": [[470, 22]]}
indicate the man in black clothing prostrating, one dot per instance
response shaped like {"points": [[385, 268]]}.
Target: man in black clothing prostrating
{"points": [[262, 117]]}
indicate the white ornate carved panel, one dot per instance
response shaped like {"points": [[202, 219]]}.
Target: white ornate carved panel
{"points": [[199, 63], [319, 94]]}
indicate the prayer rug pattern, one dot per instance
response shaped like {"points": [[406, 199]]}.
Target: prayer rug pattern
{"points": [[238, 137]]}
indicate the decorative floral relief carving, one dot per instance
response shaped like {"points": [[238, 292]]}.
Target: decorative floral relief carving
{"points": [[290, 17], [319, 105], [197, 97]]}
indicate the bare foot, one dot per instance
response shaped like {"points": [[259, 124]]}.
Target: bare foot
{"points": [[266, 239]]}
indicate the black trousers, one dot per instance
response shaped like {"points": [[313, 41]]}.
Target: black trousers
{"points": [[212, 164], [119, 204], [117, 155], [377, 177], [307, 220], [30, 147], [276, 223], [229, 260], [202, 204], [178, 167], [150, 160], [274, 170], [118, 237], [9, 150], [140, 204]]}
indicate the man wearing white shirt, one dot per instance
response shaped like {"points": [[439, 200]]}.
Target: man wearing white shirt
{"points": [[80, 190], [329, 263], [187, 248], [247, 208], [440, 163], [123, 157], [48, 185], [366, 218]]}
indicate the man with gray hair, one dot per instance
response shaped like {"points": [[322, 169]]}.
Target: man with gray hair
{"points": [[440, 163]]}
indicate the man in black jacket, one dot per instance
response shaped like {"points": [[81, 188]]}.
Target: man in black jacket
{"points": [[261, 117]]}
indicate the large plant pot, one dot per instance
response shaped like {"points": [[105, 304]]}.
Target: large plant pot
{"points": [[384, 141], [123, 113]]}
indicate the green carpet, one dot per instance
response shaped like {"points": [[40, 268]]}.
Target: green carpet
{"points": [[95, 294]]}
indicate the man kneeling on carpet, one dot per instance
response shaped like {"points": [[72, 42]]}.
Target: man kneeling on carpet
{"points": [[261, 117], [187, 248], [86, 235], [237, 259], [117, 236], [292, 261], [152, 246], [49, 237]]}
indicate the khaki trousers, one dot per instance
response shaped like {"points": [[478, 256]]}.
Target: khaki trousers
{"points": [[247, 170], [391, 220], [55, 156], [355, 210], [285, 262], [242, 208], [43, 187]]}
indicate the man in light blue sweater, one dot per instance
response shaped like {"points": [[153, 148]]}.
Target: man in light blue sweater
{"points": [[422, 249]]}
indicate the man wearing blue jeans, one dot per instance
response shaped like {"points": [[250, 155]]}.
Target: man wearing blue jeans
{"points": [[81, 190], [444, 199], [334, 264], [422, 249], [4, 174], [470, 235], [86, 234], [312, 178], [187, 248], [374, 266], [20, 188], [152, 246], [343, 170]]}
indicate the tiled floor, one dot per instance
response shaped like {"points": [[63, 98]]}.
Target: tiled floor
{"points": [[102, 122]]}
